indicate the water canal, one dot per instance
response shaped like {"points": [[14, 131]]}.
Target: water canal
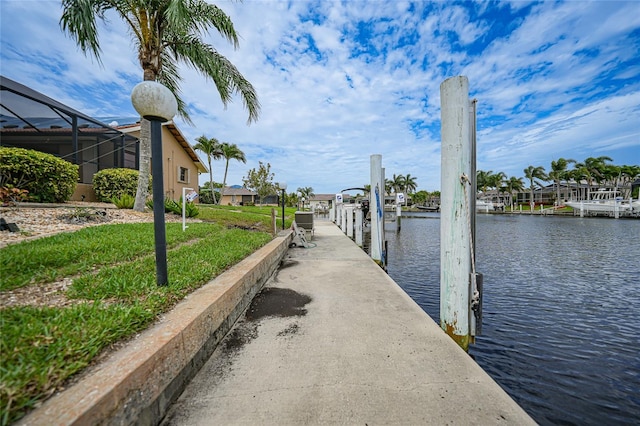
{"points": [[561, 328]]}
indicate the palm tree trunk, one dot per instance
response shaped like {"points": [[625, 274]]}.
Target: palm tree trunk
{"points": [[144, 170], [224, 180], [213, 193]]}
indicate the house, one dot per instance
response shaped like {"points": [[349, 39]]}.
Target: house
{"points": [[237, 196], [32, 120], [181, 163]]}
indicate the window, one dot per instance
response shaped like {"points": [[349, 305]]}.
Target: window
{"points": [[183, 175]]}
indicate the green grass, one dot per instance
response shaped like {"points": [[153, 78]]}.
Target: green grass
{"points": [[115, 287]]}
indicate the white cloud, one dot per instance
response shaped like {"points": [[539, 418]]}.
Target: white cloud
{"points": [[562, 83]]}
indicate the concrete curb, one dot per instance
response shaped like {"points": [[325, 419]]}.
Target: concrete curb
{"points": [[138, 383]]}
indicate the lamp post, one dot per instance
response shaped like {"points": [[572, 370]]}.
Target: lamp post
{"points": [[283, 187], [156, 103]]}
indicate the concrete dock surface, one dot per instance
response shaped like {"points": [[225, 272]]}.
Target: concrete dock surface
{"points": [[332, 339]]}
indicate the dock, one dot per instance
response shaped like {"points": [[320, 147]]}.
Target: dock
{"points": [[332, 339]]}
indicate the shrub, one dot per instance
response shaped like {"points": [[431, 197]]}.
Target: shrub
{"points": [[47, 178], [175, 207], [10, 196], [125, 201], [114, 183]]}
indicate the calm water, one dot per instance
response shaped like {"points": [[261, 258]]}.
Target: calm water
{"points": [[561, 326]]}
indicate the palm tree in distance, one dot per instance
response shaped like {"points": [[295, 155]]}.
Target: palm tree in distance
{"points": [[229, 151], [483, 180], [410, 186], [397, 183], [594, 168], [513, 184], [213, 150], [559, 172], [306, 193], [532, 173], [165, 32]]}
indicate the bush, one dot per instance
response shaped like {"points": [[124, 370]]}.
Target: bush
{"points": [[125, 201], [47, 178], [114, 183], [175, 207]]}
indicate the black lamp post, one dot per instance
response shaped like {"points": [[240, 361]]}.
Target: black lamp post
{"points": [[283, 187], [156, 103]]}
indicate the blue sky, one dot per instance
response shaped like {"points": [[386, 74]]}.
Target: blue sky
{"points": [[340, 81]]}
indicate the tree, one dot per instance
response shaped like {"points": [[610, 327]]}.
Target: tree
{"points": [[306, 193], [532, 173], [513, 184], [230, 151], [165, 32], [260, 181], [410, 184], [559, 172], [420, 197], [593, 169], [213, 150], [483, 180], [397, 183]]}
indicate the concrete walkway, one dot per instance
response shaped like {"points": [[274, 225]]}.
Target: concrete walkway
{"points": [[333, 340]]}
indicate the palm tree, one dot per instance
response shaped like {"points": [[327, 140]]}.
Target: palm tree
{"points": [[483, 180], [594, 168], [410, 186], [230, 151], [532, 173], [397, 183], [306, 193], [213, 150], [513, 184], [559, 172], [165, 32]]}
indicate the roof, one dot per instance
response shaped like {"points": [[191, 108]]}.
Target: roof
{"points": [[177, 134], [238, 191], [23, 107]]}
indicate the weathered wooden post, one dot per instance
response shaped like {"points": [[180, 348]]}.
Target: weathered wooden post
{"points": [[343, 219], [376, 206], [349, 217], [455, 259], [359, 228], [399, 201]]}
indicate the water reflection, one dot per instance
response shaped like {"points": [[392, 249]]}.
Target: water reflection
{"points": [[561, 325]]}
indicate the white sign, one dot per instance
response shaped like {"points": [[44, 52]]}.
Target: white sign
{"points": [[338, 198], [399, 198], [191, 196]]}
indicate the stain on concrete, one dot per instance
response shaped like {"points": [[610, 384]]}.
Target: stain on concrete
{"points": [[287, 263], [291, 330], [277, 302], [242, 334]]}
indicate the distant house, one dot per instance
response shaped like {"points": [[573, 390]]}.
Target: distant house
{"points": [[32, 120], [237, 196]]}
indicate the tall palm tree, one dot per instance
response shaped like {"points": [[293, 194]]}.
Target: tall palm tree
{"points": [[165, 32], [513, 184], [532, 173], [212, 148], [593, 168], [410, 186], [230, 151], [397, 183], [483, 180], [559, 172], [306, 193]]}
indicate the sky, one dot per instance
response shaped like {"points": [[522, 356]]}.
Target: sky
{"points": [[339, 81]]}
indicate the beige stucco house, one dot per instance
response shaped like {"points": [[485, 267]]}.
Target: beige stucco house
{"points": [[181, 165]]}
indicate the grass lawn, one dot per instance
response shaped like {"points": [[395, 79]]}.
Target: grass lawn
{"points": [[113, 292]]}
